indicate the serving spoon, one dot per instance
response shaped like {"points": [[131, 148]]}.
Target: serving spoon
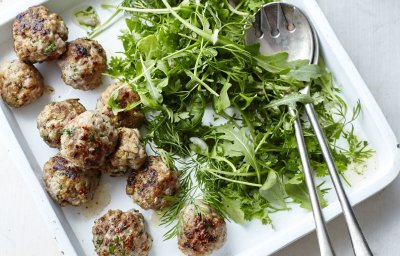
{"points": [[282, 27]]}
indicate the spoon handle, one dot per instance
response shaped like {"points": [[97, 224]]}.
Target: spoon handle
{"points": [[360, 245], [324, 242]]}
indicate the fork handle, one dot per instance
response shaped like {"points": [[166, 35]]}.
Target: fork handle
{"points": [[324, 242], [359, 243]]}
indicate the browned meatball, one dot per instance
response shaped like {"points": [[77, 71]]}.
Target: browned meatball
{"points": [[83, 63], [201, 230], [89, 139], [54, 117], [67, 183], [20, 83], [38, 35], [152, 184], [123, 96], [130, 153], [121, 233]]}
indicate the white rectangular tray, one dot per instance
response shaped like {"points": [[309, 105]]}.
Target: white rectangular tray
{"points": [[72, 227]]}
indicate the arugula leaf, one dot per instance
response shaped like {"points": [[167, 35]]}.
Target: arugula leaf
{"points": [[149, 47], [273, 191], [299, 193], [232, 209], [196, 109], [151, 85], [276, 63], [305, 73], [290, 100], [241, 142], [222, 101]]}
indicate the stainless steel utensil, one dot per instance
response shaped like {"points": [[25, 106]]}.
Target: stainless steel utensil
{"points": [[282, 27]]}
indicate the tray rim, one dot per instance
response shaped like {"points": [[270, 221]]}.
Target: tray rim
{"points": [[21, 153]]}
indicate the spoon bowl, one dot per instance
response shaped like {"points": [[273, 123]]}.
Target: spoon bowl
{"points": [[281, 27]]}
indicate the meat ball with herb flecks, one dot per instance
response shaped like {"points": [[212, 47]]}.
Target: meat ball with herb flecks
{"points": [[54, 117], [152, 184], [20, 83], [129, 155], [67, 183], [201, 230], [89, 139], [121, 233], [39, 35], [123, 98], [83, 64]]}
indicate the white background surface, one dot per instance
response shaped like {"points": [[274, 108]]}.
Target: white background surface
{"points": [[369, 31]]}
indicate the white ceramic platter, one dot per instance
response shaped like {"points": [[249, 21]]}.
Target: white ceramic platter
{"points": [[71, 226]]}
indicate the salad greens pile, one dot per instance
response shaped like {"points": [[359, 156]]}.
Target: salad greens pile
{"points": [[217, 109]]}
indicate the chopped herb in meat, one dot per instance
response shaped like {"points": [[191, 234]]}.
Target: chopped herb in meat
{"points": [[50, 48]]}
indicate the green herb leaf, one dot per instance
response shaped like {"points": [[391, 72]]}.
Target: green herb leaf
{"points": [[290, 100], [232, 209], [111, 249], [50, 48], [241, 142], [305, 73], [87, 18], [273, 191], [222, 101], [149, 47]]}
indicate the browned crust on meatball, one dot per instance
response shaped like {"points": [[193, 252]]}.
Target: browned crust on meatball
{"points": [[201, 230], [67, 183], [150, 186], [39, 35], [83, 64], [54, 117], [89, 139], [124, 96], [20, 83], [121, 233]]}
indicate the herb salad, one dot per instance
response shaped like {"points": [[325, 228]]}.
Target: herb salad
{"points": [[217, 109]]}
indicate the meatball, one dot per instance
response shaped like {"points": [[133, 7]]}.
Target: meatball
{"points": [[130, 153], [121, 233], [150, 186], [201, 231], [20, 83], [83, 63], [67, 183], [38, 35], [123, 97], [54, 117], [88, 139]]}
